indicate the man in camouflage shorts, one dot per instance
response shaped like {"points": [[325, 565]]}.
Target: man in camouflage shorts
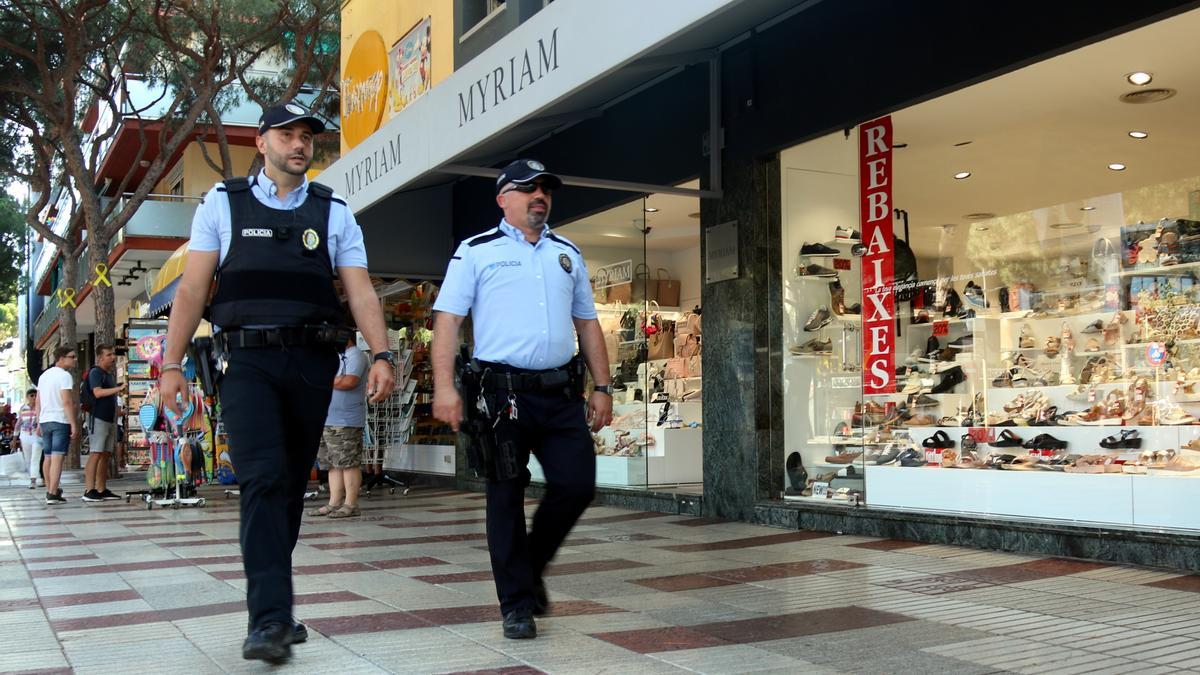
{"points": [[342, 442]]}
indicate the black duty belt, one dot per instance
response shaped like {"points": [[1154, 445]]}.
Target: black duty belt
{"points": [[509, 378], [290, 336]]}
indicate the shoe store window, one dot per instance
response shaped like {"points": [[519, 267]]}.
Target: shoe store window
{"points": [[1047, 267], [644, 261]]}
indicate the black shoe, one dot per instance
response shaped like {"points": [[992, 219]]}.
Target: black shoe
{"points": [[299, 634], [818, 250], [519, 625], [92, 495], [541, 601], [950, 379], [271, 643], [55, 498], [796, 475], [108, 496]]}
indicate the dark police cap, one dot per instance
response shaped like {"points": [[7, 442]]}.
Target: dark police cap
{"points": [[284, 114], [525, 171]]}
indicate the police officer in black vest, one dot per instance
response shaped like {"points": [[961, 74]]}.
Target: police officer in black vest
{"points": [[274, 242]]}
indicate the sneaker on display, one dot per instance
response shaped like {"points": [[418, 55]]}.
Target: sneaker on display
{"points": [[816, 271], [817, 250], [846, 235], [819, 318]]}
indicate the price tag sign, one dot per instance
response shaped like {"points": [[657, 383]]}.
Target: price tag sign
{"points": [[841, 264], [982, 434], [941, 328]]}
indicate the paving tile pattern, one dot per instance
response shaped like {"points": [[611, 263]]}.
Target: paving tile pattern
{"points": [[407, 588]]}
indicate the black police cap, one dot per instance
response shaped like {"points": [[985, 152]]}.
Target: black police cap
{"points": [[525, 171], [284, 114]]}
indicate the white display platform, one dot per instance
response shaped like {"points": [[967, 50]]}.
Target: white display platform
{"points": [[436, 459], [1159, 500], [681, 461]]}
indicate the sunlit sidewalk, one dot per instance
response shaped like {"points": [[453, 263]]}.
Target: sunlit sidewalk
{"points": [[406, 588]]}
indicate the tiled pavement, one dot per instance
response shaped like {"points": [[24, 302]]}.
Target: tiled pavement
{"points": [[103, 588]]}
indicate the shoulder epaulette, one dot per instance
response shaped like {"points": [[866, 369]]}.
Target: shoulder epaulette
{"points": [[239, 184], [485, 237], [564, 242], [323, 191]]}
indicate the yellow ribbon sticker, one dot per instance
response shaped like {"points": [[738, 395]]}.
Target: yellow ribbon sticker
{"points": [[101, 275], [66, 296]]}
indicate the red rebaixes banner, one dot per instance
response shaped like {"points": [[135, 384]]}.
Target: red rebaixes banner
{"points": [[878, 263]]}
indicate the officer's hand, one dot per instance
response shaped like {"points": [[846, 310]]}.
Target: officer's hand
{"points": [[447, 406], [380, 381], [170, 385], [599, 410]]}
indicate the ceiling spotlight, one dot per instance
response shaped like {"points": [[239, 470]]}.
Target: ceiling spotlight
{"points": [[651, 209], [962, 174], [959, 145], [1138, 134], [1087, 208], [1116, 166], [1139, 78], [980, 216]]}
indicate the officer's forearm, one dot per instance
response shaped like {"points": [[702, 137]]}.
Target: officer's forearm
{"points": [[186, 312], [445, 341], [591, 343], [365, 307]]}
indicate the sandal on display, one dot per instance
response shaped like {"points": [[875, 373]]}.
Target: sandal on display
{"points": [[950, 379], [1007, 439], [939, 440], [1045, 442], [1053, 343], [1026, 340], [1128, 438]]}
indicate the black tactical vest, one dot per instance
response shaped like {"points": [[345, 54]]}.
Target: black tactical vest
{"points": [[277, 271]]}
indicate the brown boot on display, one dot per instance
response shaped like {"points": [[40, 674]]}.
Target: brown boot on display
{"points": [[837, 300]]}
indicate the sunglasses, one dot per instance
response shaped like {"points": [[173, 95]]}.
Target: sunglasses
{"points": [[530, 188]]}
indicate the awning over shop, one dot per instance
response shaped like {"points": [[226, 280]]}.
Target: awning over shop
{"points": [[162, 292]]}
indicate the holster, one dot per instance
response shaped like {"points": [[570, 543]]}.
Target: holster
{"points": [[492, 451], [203, 352]]}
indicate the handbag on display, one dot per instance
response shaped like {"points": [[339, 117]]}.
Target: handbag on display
{"points": [[662, 342], [690, 346], [666, 289], [621, 293], [676, 368]]}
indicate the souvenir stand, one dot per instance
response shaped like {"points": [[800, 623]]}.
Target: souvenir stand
{"points": [[177, 462]]}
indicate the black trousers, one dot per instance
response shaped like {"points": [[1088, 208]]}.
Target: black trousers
{"points": [[274, 401], [553, 426]]}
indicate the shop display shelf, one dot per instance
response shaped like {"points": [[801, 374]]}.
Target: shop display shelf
{"points": [[969, 323], [1182, 269], [1143, 345], [1068, 290], [822, 499], [1025, 314]]}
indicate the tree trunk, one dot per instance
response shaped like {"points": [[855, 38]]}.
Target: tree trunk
{"points": [[68, 330], [102, 292]]}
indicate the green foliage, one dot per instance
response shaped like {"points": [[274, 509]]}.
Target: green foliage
{"points": [[12, 245]]}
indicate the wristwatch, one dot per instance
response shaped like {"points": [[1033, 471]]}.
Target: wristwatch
{"points": [[387, 357], [604, 389]]}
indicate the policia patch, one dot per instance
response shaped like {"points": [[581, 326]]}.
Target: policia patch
{"points": [[565, 261]]}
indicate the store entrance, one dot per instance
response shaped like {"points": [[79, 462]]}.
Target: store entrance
{"points": [[644, 261]]}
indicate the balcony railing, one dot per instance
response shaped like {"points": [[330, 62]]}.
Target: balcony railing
{"points": [[45, 319], [159, 216]]}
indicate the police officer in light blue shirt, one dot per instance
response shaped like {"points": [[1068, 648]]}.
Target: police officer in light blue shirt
{"points": [[527, 291], [273, 242]]}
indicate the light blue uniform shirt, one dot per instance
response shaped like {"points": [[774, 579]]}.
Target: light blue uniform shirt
{"points": [[521, 296], [211, 229]]}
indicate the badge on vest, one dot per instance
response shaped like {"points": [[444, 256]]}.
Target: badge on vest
{"points": [[311, 239], [565, 261]]}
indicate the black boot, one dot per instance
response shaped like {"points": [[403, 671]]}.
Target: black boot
{"points": [[271, 643]]}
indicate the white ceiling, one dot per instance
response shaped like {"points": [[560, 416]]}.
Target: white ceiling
{"points": [[1042, 138], [675, 226]]}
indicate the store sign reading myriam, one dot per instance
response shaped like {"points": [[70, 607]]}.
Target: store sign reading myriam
{"points": [[878, 268], [508, 79]]}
